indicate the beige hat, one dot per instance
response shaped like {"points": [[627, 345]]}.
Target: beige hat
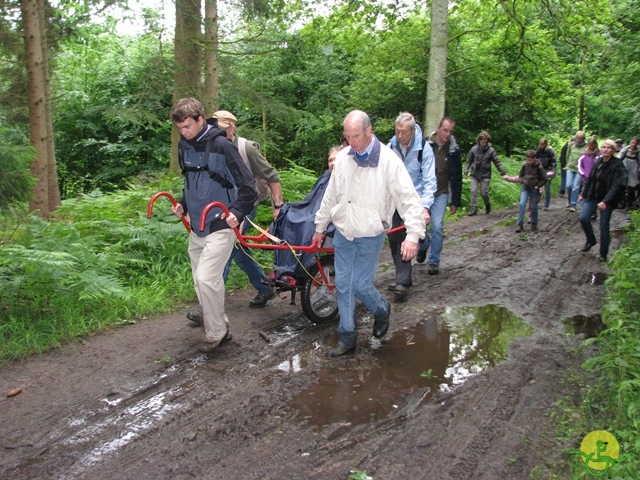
{"points": [[225, 118]]}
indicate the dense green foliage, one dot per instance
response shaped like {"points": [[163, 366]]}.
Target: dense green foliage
{"points": [[101, 262], [290, 72], [613, 402], [15, 182], [111, 117]]}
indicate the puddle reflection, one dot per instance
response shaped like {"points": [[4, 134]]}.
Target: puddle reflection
{"points": [[589, 325], [441, 351]]}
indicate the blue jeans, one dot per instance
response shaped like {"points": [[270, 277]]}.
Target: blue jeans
{"points": [[563, 181], [574, 181], [591, 206], [525, 193], [355, 263], [244, 259], [438, 211], [547, 193]]}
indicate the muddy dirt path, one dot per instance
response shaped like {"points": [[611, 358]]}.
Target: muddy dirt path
{"points": [[139, 402]]}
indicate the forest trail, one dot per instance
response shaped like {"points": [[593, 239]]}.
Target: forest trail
{"points": [[432, 400]]}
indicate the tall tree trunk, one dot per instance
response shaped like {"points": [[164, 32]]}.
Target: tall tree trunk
{"points": [[52, 172], [211, 60], [188, 42], [436, 82], [37, 105]]}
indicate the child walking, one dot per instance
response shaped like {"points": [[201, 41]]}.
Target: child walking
{"points": [[532, 176]]}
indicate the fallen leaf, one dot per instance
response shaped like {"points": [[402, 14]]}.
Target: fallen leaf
{"points": [[13, 392]]}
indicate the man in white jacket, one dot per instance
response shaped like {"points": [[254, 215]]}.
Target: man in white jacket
{"points": [[369, 182]]}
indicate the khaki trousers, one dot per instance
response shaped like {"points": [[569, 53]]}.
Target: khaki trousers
{"points": [[208, 257], [483, 183]]}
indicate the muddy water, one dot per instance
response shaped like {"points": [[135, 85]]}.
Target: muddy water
{"points": [[588, 325], [438, 353]]}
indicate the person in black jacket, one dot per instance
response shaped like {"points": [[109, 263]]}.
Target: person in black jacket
{"points": [[213, 172], [601, 192], [547, 157]]}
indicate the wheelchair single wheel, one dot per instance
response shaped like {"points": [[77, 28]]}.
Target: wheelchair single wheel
{"points": [[319, 295]]}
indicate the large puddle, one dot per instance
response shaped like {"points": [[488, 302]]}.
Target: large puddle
{"points": [[438, 353]]}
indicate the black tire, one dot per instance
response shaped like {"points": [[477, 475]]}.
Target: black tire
{"points": [[320, 301]]}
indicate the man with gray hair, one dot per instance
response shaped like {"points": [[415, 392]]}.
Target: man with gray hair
{"points": [[369, 182], [409, 145]]}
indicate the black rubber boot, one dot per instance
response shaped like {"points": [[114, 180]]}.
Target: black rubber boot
{"points": [[381, 324], [347, 344]]}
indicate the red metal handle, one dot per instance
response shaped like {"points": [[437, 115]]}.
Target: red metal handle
{"points": [[263, 246], [242, 239], [173, 202]]}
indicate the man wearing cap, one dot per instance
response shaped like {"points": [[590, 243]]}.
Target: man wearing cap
{"points": [[268, 185]]}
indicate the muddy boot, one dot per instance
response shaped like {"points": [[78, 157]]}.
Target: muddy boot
{"points": [[347, 344], [519, 228], [381, 324], [474, 211], [195, 316], [487, 208]]}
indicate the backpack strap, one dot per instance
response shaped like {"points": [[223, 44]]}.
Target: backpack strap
{"points": [[424, 142]]}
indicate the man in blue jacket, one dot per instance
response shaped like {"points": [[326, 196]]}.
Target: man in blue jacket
{"points": [[213, 172], [409, 146]]}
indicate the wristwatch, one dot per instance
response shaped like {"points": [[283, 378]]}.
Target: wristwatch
{"points": [[277, 207]]}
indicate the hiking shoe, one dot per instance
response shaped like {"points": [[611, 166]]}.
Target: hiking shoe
{"points": [[487, 209], [381, 324], [474, 211], [519, 228], [433, 269], [421, 256], [588, 245], [208, 347], [261, 299], [572, 209], [347, 344], [398, 288], [534, 227], [602, 258], [269, 279], [340, 349], [195, 316], [546, 209], [402, 289]]}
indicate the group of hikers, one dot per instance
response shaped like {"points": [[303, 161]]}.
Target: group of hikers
{"points": [[369, 188]]}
